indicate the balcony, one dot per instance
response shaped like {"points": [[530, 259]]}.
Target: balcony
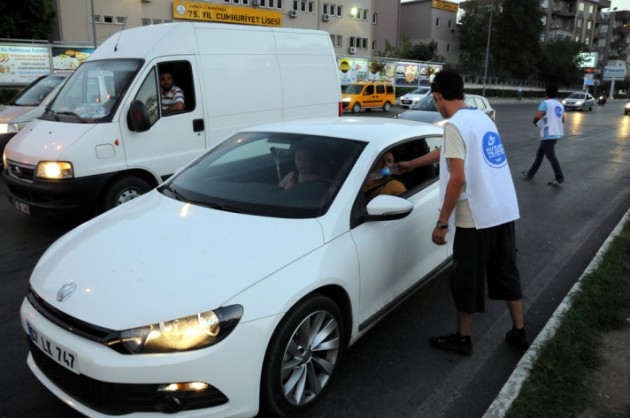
{"points": [[560, 34]]}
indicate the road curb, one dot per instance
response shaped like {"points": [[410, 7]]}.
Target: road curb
{"points": [[510, 390]]}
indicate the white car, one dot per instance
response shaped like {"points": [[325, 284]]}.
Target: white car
{"points": [[579, 101], [219, 292], [411, 98]]}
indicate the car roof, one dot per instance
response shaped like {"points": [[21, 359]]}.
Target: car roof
{"points": [[379, 131]]}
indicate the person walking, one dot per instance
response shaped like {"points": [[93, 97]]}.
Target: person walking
{"points": [[549, 119], [478, 198]]}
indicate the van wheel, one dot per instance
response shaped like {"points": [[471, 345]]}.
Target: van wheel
{"points": [[123, 190], [302, 356], [387, 106], [356, 108]]}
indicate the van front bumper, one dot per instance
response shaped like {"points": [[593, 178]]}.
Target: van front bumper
{"points": [[62, 199]]}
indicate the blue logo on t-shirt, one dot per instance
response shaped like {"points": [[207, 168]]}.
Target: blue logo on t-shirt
{"points": [[493, 151], [558, 111]]}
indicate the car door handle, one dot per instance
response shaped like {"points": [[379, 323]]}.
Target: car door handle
{"points": [[198, 125]]}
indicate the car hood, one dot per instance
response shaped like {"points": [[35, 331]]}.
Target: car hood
{"points": [[45, 140], [156, 259], [18, 113]]}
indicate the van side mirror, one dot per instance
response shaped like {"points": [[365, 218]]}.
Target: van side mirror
{"points": [[138, 117]]}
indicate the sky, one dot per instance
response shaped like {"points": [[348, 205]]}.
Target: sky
{"points": [[619, 4]]}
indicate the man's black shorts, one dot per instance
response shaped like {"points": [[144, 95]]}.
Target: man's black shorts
{"points": [[480, 256]]}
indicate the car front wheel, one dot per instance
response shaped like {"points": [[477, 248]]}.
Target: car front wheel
{"points": [[302, 356], [387, 106], [356, 108]]}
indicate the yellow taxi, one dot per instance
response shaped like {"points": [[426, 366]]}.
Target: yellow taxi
{"points": [[368, 95]]}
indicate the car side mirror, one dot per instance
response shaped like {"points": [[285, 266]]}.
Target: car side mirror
{"points": [[387, 208], [138, 118]]}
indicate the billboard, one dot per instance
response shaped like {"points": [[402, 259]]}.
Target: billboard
{"points": [[21, 64], [589, 59]]}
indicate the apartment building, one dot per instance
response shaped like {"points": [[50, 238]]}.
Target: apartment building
{"points": [[613, 40], [356, 27], [424, 21]]}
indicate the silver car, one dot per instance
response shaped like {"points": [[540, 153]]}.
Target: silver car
{"points": [[579, 101], [411, 98], [425, 111]]}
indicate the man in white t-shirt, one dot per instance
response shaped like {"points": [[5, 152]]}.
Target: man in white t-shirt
{"points": [[479, 199], [172, 96]]}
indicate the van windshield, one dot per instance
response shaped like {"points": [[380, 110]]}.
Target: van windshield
{"points": [[93, 92], [354, 89]]}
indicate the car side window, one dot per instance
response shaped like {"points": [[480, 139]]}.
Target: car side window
{"points": [[369, 90], [380, 89], [176, 85]]}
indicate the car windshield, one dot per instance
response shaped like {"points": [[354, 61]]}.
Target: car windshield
{"points": [[35, 93], [93, 92], [268, 174], [426, 103], [421, 90], [354, 89], [576, 96]]}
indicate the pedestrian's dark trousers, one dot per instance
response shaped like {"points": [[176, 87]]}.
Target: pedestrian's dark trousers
{"points": [[547, 148]]}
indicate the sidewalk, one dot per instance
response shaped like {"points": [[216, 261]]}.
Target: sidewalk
{"points": [[613, 376]]}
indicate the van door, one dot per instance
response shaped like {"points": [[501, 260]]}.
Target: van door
{"points": [[171, 95]]}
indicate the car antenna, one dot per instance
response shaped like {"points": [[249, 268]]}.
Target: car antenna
{"points": [[118, 40]]}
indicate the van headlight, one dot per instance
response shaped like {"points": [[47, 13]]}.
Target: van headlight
{"points": [[183, 334], [54, 170]]}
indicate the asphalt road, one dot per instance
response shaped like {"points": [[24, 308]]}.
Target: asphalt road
{"points": [[392, 371]]}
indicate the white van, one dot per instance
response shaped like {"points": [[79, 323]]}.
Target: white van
{"points": [[105, 138], [27, 105]]}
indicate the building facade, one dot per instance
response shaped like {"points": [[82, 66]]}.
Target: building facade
{"points": [[358, 27]]}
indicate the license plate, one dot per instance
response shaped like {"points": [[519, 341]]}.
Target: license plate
{"points": [[22, 207], [60, 354]]}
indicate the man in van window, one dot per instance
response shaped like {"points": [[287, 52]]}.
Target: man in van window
{"points": [[172, 96]]}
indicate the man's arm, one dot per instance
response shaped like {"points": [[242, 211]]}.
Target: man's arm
{"points": [[454, 187], [426, 159], [539, 115]]}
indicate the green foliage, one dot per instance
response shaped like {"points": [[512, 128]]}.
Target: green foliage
{"points": [[560, 61], [473, 36], [556, 386], [7, 94], [519, 27], [27, 19], [409, 51]]}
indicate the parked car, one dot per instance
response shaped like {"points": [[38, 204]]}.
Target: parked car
{"points": [[230, 291], [368, 95], [411, 98], [579, 101], [425, 110], [626, 108], [30, 103]]}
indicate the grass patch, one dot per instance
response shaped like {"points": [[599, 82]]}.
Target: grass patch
{"points": [[556, 385]]}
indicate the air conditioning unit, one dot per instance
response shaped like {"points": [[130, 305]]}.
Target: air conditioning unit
{"points": [[293, 13], [353, 50], [325, 17]]}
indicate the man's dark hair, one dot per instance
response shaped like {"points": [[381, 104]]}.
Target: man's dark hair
{"points": [[450, 84], [551, 91]]}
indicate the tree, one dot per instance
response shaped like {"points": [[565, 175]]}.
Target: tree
{"points": [[519, 28], [409, 51], [27, 19], [560, 61], [473, 36]]}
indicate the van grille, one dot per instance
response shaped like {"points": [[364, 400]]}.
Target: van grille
{"points": [[21, 171]]}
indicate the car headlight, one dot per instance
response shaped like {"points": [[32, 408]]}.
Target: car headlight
{"points": [[4, 160], [579, 102], [627, 105], [183, 334], [10, 128], [346, 99], [54, 170]]}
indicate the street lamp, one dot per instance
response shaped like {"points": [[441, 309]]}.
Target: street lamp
{"points": [[485, 71]]}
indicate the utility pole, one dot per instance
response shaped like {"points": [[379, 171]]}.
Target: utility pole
{"points": [[93, 24], [485, 71]]}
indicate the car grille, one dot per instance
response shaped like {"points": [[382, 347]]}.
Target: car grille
{"points": [[21, 171], [120, 399]]}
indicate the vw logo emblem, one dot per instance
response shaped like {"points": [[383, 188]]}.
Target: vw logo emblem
{"points": [[66, 291]]}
